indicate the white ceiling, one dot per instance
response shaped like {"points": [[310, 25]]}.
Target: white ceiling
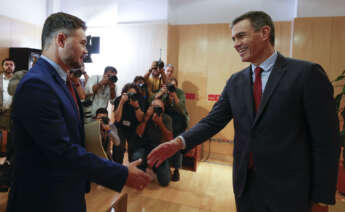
{"points": [[108, 12]]}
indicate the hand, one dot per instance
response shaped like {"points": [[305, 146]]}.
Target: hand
{"points": [[124, 98], [162, 152], [157, 119], [111, 84], [74, 79], [318, 208], [172, 96], [141, 129], [164, 89], [104, 80], [134, 103], [149, 113], [137, 178]]}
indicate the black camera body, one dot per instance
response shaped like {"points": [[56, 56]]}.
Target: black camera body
{"points": [[160, 64], [142, 85], [171, 88], [113, 78], [105, 120], [133, 96], [76, 72], [157, 110]]}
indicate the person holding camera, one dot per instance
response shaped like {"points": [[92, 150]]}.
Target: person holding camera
{"points": [[74, 76], [109, 132], [175, 106], [157, 79], [154, 130], [129, 112], [100, 91]]}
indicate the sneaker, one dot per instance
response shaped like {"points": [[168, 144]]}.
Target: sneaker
{"points": [[175, 176]]}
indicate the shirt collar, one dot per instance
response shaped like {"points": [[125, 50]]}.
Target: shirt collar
{"points": [[268, 63], [58, 69]]}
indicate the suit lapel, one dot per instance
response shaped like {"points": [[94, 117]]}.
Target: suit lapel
{"points": [[63, 86], [248, 93], [272, 83]]}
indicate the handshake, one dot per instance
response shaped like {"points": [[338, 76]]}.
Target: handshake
{"points": [[139, 179]]}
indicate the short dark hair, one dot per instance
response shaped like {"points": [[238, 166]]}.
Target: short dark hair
{"points": [[110, 68], [258, 19], [173, 79], [57, 22], [6, 59], [137, 78], [101, 110], [129, 86]]}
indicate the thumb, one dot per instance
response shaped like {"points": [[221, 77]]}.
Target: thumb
{"points": [[137, 162]]}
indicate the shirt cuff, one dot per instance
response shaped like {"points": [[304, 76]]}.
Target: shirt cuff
{"points": [[183, 142]]}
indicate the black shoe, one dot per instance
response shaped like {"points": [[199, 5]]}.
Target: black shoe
{"points": [[175, 176]]}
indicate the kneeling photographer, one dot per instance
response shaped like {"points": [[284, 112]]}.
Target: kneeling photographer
{"points": [[100, 90], [129, 112], [154, 130], [109, 132], [175, 106]]}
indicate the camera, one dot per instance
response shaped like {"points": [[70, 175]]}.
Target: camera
{"points": [[133, 96], [113, 78], [160, 64], [157, 110], [142, 85], [171, 88], [76, 72], [105, 120]]}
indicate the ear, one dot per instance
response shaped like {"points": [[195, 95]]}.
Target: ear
{"points": [[60, 39], [266, 32]]}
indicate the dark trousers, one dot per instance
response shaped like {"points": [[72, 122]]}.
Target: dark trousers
{"points": [[162, 172], [132, 140], [176, 160]]}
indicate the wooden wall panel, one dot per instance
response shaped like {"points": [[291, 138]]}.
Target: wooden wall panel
{"points": [[206, 59], [321, 40], [283, 37]]}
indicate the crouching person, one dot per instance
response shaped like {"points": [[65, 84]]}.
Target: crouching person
{"points": [[154, 130]]}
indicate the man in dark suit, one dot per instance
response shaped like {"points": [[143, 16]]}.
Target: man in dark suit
{"points": [[286, 145], [52, 167]]}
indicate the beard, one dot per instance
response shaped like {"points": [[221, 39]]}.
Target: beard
{"points": [[72, 62]]}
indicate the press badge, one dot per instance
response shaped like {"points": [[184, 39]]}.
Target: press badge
{"points": [[126, 123]]}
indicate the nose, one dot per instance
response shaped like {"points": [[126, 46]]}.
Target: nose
{"points": [[236, 43]]}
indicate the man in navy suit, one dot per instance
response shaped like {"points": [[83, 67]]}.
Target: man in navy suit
{"points": [[52, 168], [286, 145]]}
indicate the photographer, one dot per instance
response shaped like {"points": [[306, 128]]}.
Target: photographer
{"points": [[175, 106], [157, 79], [139, 81], [129, 112], [154, 130], [74, 76], [100, 91], [107, 140]]}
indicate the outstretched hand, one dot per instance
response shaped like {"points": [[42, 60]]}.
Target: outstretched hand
{"points": [[162, 152], [137, 178]]}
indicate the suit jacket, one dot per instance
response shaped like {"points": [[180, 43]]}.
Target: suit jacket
{"points": [[294, 137], [52, 168]]}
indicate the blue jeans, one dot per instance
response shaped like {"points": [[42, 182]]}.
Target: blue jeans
{"points": [[162, 172]]}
